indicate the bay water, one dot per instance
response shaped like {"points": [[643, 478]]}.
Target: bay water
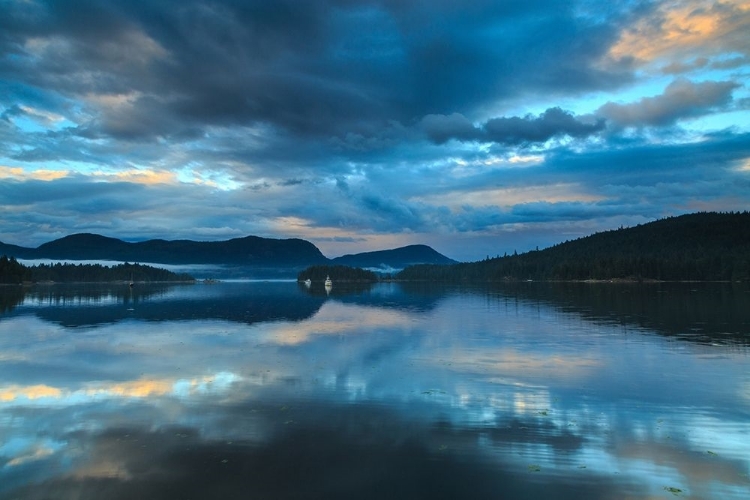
{"points": [[271, 389]]}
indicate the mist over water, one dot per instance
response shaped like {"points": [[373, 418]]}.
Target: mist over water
{"points": [[275, 390]]}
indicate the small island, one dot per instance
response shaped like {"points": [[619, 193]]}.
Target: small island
{"points": [[13, 272], [337, 274]]}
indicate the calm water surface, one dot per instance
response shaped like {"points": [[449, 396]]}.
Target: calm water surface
{"points": [[272, 390]]}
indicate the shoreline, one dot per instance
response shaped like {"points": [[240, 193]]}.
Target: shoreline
{"points": [[115, 282], [386, 280]]}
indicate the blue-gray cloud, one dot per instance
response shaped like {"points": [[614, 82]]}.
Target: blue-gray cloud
{"points": [[681, 99], [513, 130], [308, 68]]}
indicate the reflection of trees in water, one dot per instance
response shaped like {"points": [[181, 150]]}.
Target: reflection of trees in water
{"points": [[702, 312], [79, 305], [61, 294], [699, 311], [10, 297]]}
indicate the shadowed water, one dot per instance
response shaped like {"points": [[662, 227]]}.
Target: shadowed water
{"points": [[274, 390]]}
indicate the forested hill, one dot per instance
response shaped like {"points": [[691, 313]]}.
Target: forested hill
{"points": [[250, 250], [702, 247], [396, 258]]}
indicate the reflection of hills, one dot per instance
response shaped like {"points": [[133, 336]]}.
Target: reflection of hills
{"points": [[243, 303], [81, 305], [700, 312], [386, 295]]}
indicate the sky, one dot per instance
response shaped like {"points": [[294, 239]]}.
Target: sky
{"points": [[478, 128]]}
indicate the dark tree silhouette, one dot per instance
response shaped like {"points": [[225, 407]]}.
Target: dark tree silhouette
{"points": [[12, 271], [696, 247]]}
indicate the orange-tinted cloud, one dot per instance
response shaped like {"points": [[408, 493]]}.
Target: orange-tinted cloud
{"points": [[29, 392], [19, 173], [687, 29]]}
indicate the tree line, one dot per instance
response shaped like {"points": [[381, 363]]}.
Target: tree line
{"points": [[697, 247], [13, 272]]}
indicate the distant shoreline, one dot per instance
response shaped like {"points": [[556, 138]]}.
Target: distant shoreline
{"points": [[114, 282], [137, 285]]}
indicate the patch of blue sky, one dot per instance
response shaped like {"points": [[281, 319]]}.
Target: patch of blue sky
{"points": [[38, 121], [213, 178], [26, 124], [737, 121]]}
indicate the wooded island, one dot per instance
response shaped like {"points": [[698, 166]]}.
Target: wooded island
{"points": [[13, 272]]}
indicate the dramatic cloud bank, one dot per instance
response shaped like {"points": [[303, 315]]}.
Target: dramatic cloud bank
{"points": [[477, 128]]}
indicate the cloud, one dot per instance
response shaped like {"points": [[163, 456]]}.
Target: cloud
{"points": [[18, 173], [31, 392], [681, 99], [552, 123], [367, 122], [677, 67], [732, 62], [514, 130], [442, 128], [673, 30], [316, 68]]}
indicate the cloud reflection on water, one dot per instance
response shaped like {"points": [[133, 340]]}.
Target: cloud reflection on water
{"points": [[471, 392]]}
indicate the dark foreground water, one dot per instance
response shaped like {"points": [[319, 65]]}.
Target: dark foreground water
{"points": [[271, 390]]}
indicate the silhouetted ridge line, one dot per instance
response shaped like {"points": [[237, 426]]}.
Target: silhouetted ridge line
{"points": [[251, 251], [705, 246]]}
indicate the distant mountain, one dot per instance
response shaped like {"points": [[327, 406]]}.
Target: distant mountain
{"points": [[16, 251], [701, 247], [83, 246], [397, 258], [250, 251]]}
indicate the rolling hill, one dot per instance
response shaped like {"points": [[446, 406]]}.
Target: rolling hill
{"points": [[250, 251], [704, 246], [398, 258]]}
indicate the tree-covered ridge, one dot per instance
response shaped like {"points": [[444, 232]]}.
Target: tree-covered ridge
{"points": [[395, 258], [697, 247], [13, 272], [250, 250], [337, 273]]}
